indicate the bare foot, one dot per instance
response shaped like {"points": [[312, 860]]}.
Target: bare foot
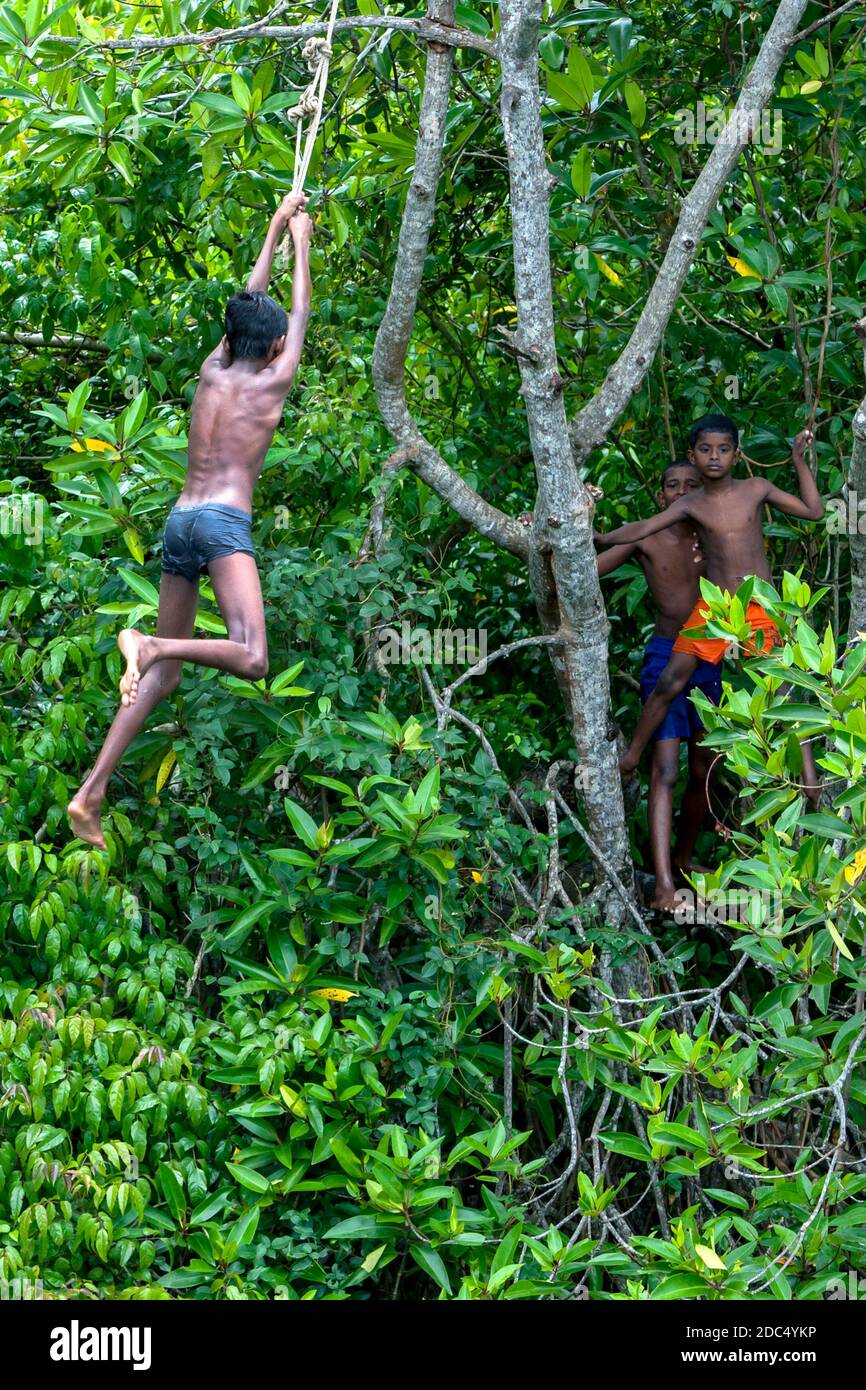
{"points": [[665, 899], [85, 822], [134, 646]]}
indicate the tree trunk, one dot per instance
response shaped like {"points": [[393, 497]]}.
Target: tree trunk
{"points": [[856, 494], [562, 564]]}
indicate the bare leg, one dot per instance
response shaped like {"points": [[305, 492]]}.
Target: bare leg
{"points": [[695, 806], [243, 653], [178, 600], [674, 678], [811, 784], [663, 779], [811, 781]]}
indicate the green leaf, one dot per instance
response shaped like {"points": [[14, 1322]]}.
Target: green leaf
{"points": [[303, 824], [132, 417], [681, 1286], [90, 104], [581, 172], [552, 50], [365, 1227], [248, 1177], [241, 93], [119, 156], [77, 402], [140, 586], [619, 38], [171, 1190], [636, 103], [281, 949], [565, 92], [432, 1264]]}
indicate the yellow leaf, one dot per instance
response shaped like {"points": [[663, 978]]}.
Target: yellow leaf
{"points": [[838, 940], [98, 446], [629, 425], [855, 869], [339, 995], [606, 269], [809, 87], [709, 1257], [477, 877], [134, 545], [742, 269], [369, 1264], [79, 448], [165, 767], [293, 1101]]}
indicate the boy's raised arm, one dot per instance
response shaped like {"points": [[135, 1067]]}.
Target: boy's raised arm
{"points": [[639, 530], [281, 372], [613, 558], [261, 272], [808, 505]]}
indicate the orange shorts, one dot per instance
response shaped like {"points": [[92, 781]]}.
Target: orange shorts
{"points": [[712, 649]]}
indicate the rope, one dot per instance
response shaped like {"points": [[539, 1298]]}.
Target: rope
{"points": [[316, 53], [753, 463]]}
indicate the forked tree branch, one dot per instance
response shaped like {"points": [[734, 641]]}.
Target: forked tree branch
{"points": [[591, 424], [395, 330]]}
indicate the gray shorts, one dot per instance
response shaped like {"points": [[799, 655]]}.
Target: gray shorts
{"points": [[195, 535]]}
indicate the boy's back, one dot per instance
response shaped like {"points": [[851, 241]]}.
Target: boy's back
{"points": [[235, 412]]}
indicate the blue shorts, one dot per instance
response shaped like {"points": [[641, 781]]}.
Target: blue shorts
{"points": [[195, 535], [682, 719]]}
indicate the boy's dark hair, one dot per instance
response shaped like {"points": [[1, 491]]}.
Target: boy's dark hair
{"points": [[676, 463], [252, 321], [717, 424]]}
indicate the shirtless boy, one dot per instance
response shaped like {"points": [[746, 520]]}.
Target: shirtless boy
{"points": [[237, 407], [726, 514], [672, 565]]}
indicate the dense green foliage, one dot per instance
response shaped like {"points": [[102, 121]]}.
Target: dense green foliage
{"points": [[261, 1047]]}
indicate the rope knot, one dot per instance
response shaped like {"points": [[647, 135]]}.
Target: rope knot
{"points": [[308, 105], [315, 51]]}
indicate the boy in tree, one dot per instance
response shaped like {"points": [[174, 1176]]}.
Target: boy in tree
{"points": [[237, 407], [672, 565], [726, 514]]}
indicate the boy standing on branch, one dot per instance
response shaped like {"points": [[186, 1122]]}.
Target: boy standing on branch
{"points": [[237, 407], [726, 514], [672, 564]]}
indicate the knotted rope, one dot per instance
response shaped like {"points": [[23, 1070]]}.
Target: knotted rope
{"points": [[316, 53]]}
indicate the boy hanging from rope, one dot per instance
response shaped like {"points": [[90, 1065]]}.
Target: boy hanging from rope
{"points": [[726, 514], [237, 407]]}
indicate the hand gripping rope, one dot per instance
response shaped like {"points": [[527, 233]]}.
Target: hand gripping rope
{"points": [[317, 55]]}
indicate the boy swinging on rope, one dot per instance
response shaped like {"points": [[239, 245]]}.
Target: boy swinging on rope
{"points": [[237, 407], [726, 514]]}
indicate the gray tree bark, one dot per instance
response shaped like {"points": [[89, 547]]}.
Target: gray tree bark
{"points": [[562, 563], [857, 490]]}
